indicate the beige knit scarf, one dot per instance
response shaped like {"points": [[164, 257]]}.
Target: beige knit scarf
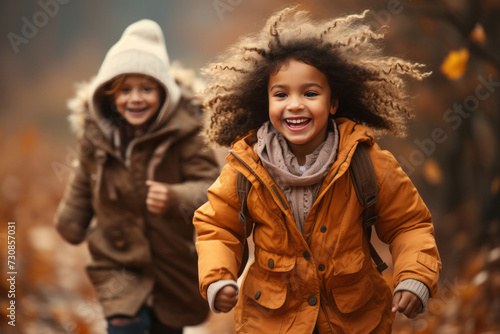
{"points": [[300, 188]]}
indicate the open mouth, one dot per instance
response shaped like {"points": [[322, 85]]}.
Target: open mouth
{"points": [[137, 110], [297, 123]]}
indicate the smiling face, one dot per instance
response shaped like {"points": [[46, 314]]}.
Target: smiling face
{"points": [[138, 99], [300, 103]]}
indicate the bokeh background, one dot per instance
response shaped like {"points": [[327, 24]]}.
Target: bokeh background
{"points": [[451, 152]]}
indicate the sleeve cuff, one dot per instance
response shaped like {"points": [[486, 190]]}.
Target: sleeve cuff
{"points": [[213, 290], [416, 287]]}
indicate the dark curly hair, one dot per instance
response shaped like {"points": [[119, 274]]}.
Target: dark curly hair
{"points": [[367, 84]]}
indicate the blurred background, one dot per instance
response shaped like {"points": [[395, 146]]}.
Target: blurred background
{"points": [[451, 152]]}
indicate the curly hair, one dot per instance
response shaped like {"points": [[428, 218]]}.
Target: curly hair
{"points": [[368, 85]]}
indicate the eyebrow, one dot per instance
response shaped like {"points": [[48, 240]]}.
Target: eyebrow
{"points": [[312, 84]]}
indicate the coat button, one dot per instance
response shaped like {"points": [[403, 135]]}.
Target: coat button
{"points": [[257, 295], [321, 267], [307, 256], [270, 263], [312, 300], [323, 229]]}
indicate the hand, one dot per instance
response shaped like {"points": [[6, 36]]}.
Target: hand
{"points": [[407, 303], [157, 197], [225, 299]]}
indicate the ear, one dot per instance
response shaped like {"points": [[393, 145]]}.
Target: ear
{"points": [[334, 106]]}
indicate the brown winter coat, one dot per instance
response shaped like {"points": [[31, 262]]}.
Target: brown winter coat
{"points": [[134, 252], [325, 277]]}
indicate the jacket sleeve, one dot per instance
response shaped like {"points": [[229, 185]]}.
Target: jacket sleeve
{"points": [[220, 233], [199, 170], [405, 223], [75, 211]]}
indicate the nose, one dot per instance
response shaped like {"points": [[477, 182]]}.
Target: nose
{"points": [[295, 104], [135, 96]]}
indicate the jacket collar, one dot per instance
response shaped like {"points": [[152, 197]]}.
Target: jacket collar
{"points": [[244, 158], [350, 134]]}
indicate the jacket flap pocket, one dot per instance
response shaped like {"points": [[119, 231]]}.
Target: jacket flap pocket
{"points": [[353, 265], [274, 262], [267, 293], [350, 298], [428, 261]]}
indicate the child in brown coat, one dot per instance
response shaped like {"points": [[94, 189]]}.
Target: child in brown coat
{"points": [[143, 170]]}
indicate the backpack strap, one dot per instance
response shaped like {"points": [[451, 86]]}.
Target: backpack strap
{"points": [[243, 186], [365, 186]]}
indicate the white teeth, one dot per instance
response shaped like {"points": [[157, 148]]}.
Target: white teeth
{"points": [[296, 121]]}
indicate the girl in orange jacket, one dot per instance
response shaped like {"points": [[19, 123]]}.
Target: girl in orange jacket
{"points": [[295, 101]]}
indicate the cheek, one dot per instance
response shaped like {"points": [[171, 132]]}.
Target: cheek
{"points": [[154, 99], [274, 113], [120, 100]]}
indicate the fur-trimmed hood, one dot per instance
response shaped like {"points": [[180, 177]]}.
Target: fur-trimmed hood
{"points": [[140, 50], [79, 104]]}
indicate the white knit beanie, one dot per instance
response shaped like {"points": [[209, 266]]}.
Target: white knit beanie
{"points": [[140, 50]]}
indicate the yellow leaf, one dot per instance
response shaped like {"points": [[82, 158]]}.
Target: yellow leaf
{"points": [[455, 64], [478, 35], [432, 172]]}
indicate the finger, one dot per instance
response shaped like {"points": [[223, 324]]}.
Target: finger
{"points": [[154, 208], [157, 196], [154, 211], [154, 202], [410, 301], [403, 304], [227, 298], [153, 198], [228, 303], [416, 309], [223, 309], [413, 312], [157, 185], [225, 306], [158, 191], [395, 301]]}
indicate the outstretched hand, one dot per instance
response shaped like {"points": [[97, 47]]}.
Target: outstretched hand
{"points": [[225, 299], [157, 197], [407, 303]]}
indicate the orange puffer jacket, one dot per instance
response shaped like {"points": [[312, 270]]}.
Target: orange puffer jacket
{"points": [[325, 277]]}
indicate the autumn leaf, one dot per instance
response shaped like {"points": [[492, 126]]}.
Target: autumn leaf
{"points": [[478, 35], [432, 172], [455, 64]]}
